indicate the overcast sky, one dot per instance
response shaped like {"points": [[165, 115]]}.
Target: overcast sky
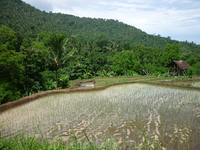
{"points": [[179, 19]]}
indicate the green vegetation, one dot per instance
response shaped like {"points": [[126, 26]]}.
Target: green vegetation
{"points": [[31, 62], [32, 65], [11, 66], [35, 21], [166, 81], [58, 55], [24, 143], [42, 51]]}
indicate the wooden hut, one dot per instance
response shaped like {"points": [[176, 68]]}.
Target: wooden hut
{"points": [[178, 67]]}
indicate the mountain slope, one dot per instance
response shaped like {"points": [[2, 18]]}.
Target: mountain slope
{"points": [[29, 21]]}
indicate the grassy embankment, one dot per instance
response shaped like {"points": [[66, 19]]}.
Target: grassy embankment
{"points": [[182, 81]]}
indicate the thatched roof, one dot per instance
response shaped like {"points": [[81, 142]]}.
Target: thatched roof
{"points": [[180, 63]]}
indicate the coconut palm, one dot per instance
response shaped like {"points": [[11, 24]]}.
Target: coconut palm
{"points": [[59, 53]]}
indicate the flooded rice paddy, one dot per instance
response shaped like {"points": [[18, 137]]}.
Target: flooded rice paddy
{"points": [[196, 84], [127, 114]]}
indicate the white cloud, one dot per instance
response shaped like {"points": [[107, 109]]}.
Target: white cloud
{"points": [[173, 18]]}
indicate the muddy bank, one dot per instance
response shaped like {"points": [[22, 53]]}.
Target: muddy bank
{"points": [[27, 99]]}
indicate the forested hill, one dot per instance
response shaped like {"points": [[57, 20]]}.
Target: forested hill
{"points": [[27, 20]]}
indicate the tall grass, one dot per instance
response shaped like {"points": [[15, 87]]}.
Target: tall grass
{"points": [[21, 142]]}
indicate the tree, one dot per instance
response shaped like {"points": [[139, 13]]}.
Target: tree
{"points": [[10, 65], [100, 43], [124, 62], [11, 68], [171, 52], [33, 65], [60, 53], [149, 59], [197, 69]]}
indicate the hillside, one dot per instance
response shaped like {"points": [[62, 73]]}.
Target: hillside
{"points": [[29, 21]]}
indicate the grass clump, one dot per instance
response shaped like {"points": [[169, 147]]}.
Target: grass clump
{"points": [[29, 143], [149, 145], [21, 142]]}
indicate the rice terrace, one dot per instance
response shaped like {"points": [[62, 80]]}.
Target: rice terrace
{"points": [[139, 112]]}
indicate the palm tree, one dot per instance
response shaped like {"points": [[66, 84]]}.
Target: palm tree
{"points": [[59, 54]]}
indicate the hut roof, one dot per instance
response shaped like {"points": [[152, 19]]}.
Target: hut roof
{"points": [[180, 63]]}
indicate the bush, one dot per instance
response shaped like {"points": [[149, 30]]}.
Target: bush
{"points": [[131, 73], [197, 69], [190, 72], [48, 80], [64, 81]]}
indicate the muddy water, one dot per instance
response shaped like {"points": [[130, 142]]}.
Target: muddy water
{"points": [[196, 84]]}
